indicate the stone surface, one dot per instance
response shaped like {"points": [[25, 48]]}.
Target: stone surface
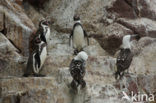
{"points": [[105, 18], [49, 89], [17, 24], [1, 21], [11, 62], [37, 3], [144, 63]]}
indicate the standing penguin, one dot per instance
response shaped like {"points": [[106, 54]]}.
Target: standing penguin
{"points": [[78, 36], [36, 58], [125, 56], [77, 70], [43, 32]]}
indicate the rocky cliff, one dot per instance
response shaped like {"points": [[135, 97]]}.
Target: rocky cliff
{"points": [[106, 22]]}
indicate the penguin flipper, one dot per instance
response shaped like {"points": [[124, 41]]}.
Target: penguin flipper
{"points": [[86, 35], [43, 38], [38, 60]]}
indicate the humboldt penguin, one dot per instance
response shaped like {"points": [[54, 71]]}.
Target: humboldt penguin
{"points": [[43, 31], [36, 58], [125, 56], [77, 70], [78, 35]]}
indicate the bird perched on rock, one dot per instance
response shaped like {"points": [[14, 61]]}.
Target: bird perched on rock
{"points": [[77, 70], [78, 36], [36, 58], [125, 56], [43, 31]]}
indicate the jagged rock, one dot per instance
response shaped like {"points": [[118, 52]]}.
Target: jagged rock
{"points": [[6, 46], [144, 63], [106, 20], [111, 38], [141, 26], [37, 3], [18, 26], [1, 21], [33, 14], [19, 2], [49, 89], [11, 62]]}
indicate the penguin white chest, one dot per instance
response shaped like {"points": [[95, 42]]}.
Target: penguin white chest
{"points": [[47, 34], [78, 37], [43, 55]]}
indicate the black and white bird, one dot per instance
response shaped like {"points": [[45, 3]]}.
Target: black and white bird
{"points": [[36, 58], [44, 30], [77, 70], [79, 36], [44, 33], [125, 56]]}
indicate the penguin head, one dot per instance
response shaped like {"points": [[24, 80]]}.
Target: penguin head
{"points": [[44, 23], [81, 56], [135, 37], [126, 42], [76, 18]]}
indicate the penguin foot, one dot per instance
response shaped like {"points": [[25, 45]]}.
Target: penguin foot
{"points": [[25, 75], [39, 75], [83, 84]]}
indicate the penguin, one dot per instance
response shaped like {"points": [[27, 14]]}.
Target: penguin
{"points": [[43, 31], [77, 70], [36, 58], [78, 35], [125, 55]]}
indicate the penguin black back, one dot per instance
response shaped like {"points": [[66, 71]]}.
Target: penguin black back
{"points": [[77, 69]]}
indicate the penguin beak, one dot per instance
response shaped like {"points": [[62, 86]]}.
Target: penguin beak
{"points": [[135, 37], [47, 22]]}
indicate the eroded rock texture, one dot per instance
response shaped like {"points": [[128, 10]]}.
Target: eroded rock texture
{"points": [[16, 25], [106, 22]]}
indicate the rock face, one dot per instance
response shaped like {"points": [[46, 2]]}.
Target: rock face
{"points": [[10, 61], [37, 3], [16, 26], [106, 22]]}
